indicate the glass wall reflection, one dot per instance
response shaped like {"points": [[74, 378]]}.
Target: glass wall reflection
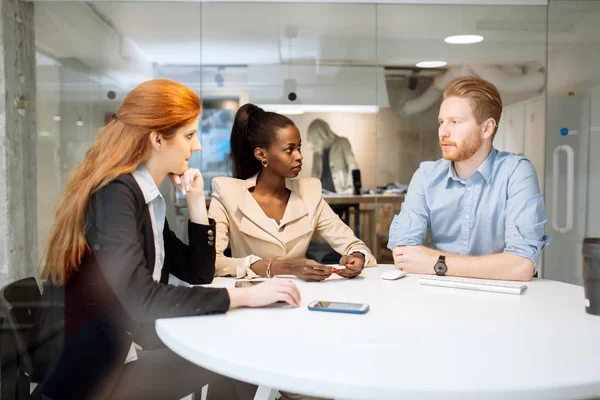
{"points": [[572, 141], [509, 51], [353, 69]]}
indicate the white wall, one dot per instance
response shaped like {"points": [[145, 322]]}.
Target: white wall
{"points": [[522, 130]]}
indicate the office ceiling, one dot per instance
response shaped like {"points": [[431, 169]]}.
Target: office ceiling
{"points": [[258, 33], [130, 38]]}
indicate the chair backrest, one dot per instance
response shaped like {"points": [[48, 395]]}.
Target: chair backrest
{"points": [[19, 302], [48, 339]]}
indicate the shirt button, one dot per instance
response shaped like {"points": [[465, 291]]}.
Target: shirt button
{"points": [[210, 242], [464, 243], [210, 232]]}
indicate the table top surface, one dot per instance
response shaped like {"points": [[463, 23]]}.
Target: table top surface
{"points": [[415, 342]]}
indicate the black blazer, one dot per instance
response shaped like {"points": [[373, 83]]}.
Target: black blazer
{"points": [[112, 299]]}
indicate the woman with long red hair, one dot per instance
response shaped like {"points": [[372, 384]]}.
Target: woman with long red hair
{"points": [[112, 249]]}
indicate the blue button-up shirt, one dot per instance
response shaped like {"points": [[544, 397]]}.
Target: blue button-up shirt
{"points": [[499, 208]]}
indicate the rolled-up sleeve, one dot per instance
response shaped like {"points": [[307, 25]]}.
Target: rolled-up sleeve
{"points": [[525, 215], [409, 228]]}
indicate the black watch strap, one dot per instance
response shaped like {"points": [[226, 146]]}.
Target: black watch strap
{"points": [[440, 267]]}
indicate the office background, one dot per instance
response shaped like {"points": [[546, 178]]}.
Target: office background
{"points": [[354, 65]]}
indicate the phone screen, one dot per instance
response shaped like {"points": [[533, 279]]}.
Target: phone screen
{"points": [[339, 306]]}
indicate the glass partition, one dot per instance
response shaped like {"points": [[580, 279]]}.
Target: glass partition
{"points": [[504, 44], [572, 136], [350, 67]]}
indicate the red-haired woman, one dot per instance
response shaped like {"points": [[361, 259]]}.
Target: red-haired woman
{"points": [[112, 249]]}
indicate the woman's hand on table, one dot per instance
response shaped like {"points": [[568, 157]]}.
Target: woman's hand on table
{"points": [[308, 270], [354, 263], [264, 294]]}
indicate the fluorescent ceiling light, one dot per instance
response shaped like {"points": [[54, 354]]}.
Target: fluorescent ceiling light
{"points": [[431, 64], [56, 118], [296, 109], [463, 39]]}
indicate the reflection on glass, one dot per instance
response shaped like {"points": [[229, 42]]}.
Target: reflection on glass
{"points": [[215, 128], [333, 159]]}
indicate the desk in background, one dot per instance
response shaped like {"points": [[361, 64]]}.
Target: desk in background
{"points": [[371, 216]]}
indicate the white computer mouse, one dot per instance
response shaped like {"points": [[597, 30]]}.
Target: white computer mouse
{"points": [[393, 274]]}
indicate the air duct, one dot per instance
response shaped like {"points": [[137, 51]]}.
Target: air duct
{"points": [[507, 80], [432, 93]]}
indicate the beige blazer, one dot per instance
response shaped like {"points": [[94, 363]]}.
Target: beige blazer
{"points": [[255, 236]]}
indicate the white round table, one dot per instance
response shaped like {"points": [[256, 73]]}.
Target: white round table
{"points": [[416, 342]]}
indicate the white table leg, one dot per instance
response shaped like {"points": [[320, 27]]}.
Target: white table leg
{"points": [[265, 393]]}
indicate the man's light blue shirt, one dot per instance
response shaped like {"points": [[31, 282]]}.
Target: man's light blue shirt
{"points": [[499, 208]]}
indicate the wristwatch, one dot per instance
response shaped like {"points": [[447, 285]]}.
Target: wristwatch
{"points": [[440, 267]]}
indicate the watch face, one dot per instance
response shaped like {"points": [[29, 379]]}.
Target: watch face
{"points": [[440, 268]]}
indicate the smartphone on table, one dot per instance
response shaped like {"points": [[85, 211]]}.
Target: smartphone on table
{"points": [[334, 306], [246, 283]]}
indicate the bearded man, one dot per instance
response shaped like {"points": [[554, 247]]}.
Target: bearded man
{"points": [[483, 207]]}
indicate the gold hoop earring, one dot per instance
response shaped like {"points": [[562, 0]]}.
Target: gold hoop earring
{"points": [[264, 162]]}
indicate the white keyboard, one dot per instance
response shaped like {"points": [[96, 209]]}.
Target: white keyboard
{"points": [[473, 284]]}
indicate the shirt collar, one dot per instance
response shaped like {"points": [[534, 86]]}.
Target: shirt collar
{"points": [[294, 210], [452, 173], [485, 169], [146, 183], [251, 182]]}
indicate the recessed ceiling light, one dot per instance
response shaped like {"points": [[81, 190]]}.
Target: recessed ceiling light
{"points": [[463, 39], [431, 64], [56, 118]]}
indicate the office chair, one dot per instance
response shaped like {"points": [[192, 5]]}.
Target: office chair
{"points": [[25, 346]]}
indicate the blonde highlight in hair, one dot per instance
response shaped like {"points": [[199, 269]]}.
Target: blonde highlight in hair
{"points": [[160, 106], [484, 97]]}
